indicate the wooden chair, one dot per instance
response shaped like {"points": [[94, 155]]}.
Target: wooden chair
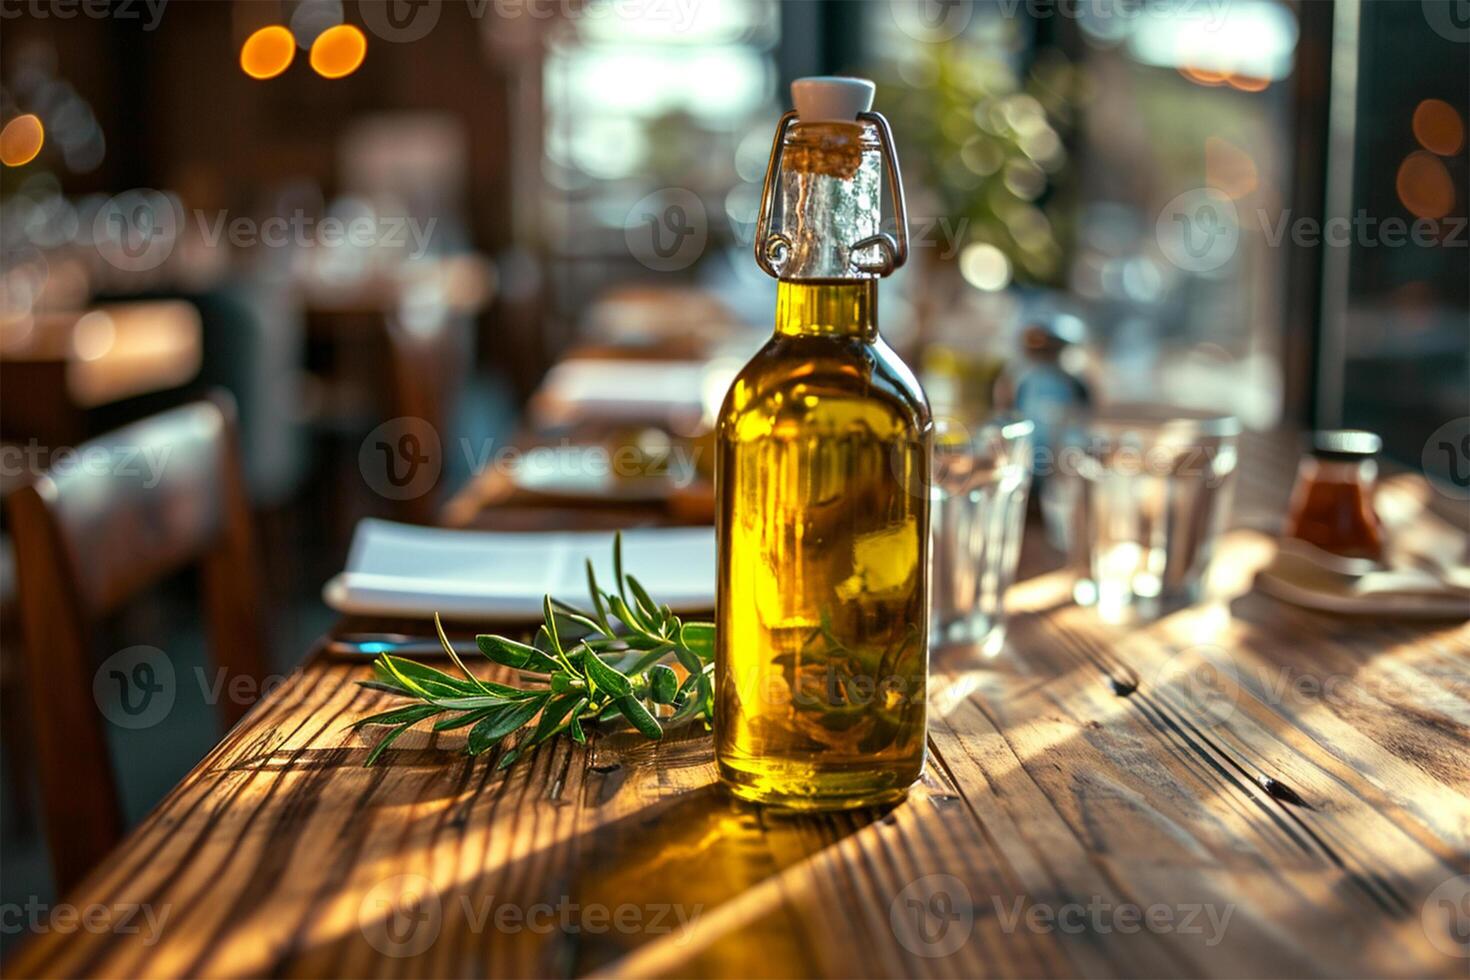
{"points": [[90, 538]]}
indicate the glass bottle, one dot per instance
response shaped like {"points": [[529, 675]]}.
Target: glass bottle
{"points": [[822, 489], [1332, 502]]}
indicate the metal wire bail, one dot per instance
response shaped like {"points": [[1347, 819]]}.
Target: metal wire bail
{"points": [[772, 248]]}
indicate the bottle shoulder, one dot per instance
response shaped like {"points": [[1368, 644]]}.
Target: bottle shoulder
{"points": [[790, 368]]}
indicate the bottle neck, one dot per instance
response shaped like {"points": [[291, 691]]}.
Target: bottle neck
{"points": [[830, 195], [828, 309]]}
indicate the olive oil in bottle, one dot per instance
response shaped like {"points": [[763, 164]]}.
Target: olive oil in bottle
{"points": [[822, 475]]}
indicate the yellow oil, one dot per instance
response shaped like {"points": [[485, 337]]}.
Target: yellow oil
{"points": [[823, 518]]}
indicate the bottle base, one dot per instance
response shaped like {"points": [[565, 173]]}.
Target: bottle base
{"points": [[841, 791]]}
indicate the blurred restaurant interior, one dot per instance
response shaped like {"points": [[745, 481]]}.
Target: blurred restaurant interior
{"points": [[438, 233]]}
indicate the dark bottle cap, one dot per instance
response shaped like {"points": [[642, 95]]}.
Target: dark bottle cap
{"points": [[1345, 445]]}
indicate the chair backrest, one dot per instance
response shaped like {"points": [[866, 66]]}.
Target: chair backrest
{"points": [[127, 509]]}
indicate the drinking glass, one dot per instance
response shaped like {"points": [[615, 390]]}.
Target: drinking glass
{"points": [[1156, 491], [978, 503]]}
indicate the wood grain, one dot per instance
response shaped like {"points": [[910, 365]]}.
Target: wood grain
{"points": [[1239, 789]]}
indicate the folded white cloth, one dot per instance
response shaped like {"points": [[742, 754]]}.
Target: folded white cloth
{"points": [[406, 570]]}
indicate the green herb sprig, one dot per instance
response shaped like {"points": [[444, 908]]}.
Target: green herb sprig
{"points": [[583, 667]]}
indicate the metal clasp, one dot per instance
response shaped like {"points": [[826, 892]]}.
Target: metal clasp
{"points": [[771, 248]]}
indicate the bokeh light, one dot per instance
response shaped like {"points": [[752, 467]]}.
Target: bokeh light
{"points": [[1437, 127], [338, 51], [267, 52], [985, 267], [21, 139], [1424, 185], [1229, 168]]}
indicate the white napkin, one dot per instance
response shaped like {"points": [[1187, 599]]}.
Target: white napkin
{"points": [[407, 570]]}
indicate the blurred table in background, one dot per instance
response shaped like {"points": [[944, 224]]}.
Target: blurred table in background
{"points": [[403, 346], [54, 367]]}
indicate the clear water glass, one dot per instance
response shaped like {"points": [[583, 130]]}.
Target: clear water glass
{"points": [[978, 513], [1156, 485]]}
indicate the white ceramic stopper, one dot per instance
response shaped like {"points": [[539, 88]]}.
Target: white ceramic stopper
{"points": [[828, 98]]}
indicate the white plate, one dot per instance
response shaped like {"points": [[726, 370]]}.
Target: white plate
{"points": [[406, 570]]}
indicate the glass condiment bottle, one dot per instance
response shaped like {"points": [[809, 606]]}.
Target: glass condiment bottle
{"points": [[822, 488], [1332, 502]]}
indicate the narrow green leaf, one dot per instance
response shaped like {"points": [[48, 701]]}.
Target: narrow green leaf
{"points": [[550, 625], [642, 720], [394, 667], [507, 759], [597, 602], [564, 683], [453, 654], [699, 639], [410, 714], [434, 682], [384, 742], [630, 618], [688, 659], [646, 605], [552, 717], [639, 664], [464, 720], [582, 621], [389, 686], [477, 702], [605, 677], [618, 564], [501, 723], [520, 656], [663, 683], [578, 735]]}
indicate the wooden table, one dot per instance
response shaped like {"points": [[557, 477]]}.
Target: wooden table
{"points": [[1242, 789]]}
